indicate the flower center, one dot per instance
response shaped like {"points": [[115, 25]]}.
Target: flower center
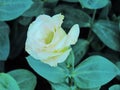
{"points": [[49, 37]]}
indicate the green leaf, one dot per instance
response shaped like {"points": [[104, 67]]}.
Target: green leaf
{"points": [[53, 74], [94, 71], [94, 4], [80, 49], [71, 1], [50, 3], [97, 88], [105, 12], [73, 16], [96, 44], [115, 87], [108, 33], [25, 20], [11, 9], [7, 82], [61, 86], [35, 10], [4, 41], [25, 79]]}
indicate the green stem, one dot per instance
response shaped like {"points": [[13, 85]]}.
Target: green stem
{"points": [[90, 35], [93, 17]]}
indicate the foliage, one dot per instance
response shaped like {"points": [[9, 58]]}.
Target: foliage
{"points": [[94, 60]]}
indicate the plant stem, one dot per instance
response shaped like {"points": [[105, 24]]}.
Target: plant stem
{"points": [[90, 35], [93, 17]]}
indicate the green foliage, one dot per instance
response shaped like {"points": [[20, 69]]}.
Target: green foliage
{"points": [[115, 87], [4, 41], [71, 1], [108, 33], [80, 49], [7, 82], [94, 4], [24, 78], [60, 86], [35, 10], [25, 20], [96, 44], [11, 9], [97, 88], [73, 16], [94, 71], [53, 74]]}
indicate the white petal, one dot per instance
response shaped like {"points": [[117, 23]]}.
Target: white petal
{"points": [[73, 34], [58, 20], [43, 18], [53, 61]]}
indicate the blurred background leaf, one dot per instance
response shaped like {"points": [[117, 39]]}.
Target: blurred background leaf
{"points": [[25, 20], [7, 82], [35, 10], [108, 33], [73, 16], [24, 78], [97, 44], [4, 41], [71, 1], [11, 9], [80, 49], [93, 4]]}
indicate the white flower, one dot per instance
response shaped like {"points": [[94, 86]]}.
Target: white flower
{"points": [[48, 42]]}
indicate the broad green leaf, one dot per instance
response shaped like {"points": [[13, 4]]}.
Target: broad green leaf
{"points": [[108, 33], [4, 41], [7, 82], [80, 49], [61, 86], [53, 74], [71, 1], [35, 10], [94, 71], [11, 9], [24, 78], [94, 4], [115, 87], [78, 17], [97, 88]]}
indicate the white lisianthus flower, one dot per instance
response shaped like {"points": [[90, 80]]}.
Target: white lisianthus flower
{"points": [[48, 42]]}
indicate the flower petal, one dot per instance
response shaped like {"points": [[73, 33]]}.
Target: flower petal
{"points": [[58, 20], [73, 35], [53, 61]]}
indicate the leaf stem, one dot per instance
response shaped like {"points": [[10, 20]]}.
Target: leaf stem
{"points": [[93, 17], [90, 35]]}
